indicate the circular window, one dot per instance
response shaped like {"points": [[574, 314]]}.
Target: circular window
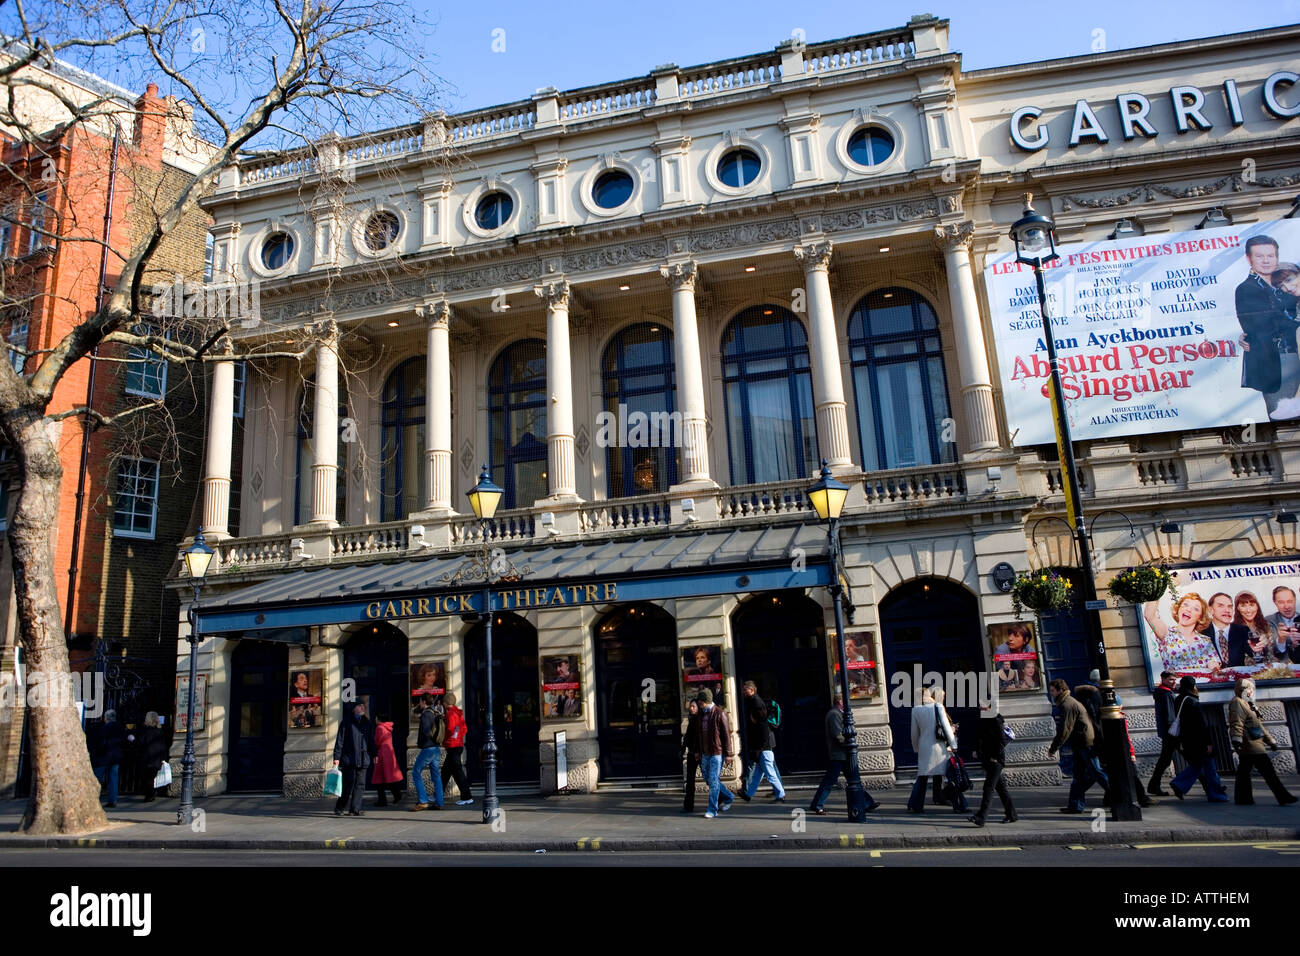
{"points": [[739, 167], [381, 230], [277, 250], [612, 189], [493, 211], [870, 146]]}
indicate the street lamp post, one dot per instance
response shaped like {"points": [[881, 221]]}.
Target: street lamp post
{"points": [[197, 558], [827, 496], [1035, 239], [484, 498]]}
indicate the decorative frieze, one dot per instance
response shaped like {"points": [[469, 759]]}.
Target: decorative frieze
{"points": [[744, 235], [620, 255]]}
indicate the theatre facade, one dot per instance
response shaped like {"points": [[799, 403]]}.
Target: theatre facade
{"points": [[653, 307]]}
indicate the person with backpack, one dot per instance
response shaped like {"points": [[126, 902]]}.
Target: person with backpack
{"points": [[1074, 729], [1164, 697], [1194, 741], [431, 736], [453, 765], [762, 719]]}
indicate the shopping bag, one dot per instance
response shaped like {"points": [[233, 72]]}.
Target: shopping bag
{"points": [[333, 782], [163, 778]]}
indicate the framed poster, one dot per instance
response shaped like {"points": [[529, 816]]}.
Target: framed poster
{"points": [[306, 693], [182, 701], [562, 687], [428, 677], [864, 667], [1231, 619], [701, 668], [1014, 653]]}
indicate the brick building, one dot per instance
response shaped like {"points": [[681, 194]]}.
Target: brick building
{"points": [[127, 489]]}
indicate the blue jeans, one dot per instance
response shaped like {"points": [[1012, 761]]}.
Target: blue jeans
{"points": [[766, 767], [428, 757], [1209, 777], [712, 768], [1087, 771], [112, 780]]}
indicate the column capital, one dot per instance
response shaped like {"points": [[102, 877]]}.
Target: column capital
{"points": [[952, 237], [555, 292], [680, 275], [325, 328], [435, 312], [815, 254]]}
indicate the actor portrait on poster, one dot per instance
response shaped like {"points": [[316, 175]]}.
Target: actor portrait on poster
{"points": [[701, 668], [1015, 657], [562, 687], [306, 691], [428, 677]]}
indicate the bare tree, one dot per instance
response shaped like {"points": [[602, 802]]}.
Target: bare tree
{"points": [[262, 75]]}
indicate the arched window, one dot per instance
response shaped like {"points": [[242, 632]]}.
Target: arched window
{"points": [[638, 375], [517, 420], [771, 432], [307, 455], [898, 378], [405, 485]]}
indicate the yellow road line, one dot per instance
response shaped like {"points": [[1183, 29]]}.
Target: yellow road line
{"points": [[951, 849], [1077, 846], [1163, 846], [336, 844], [595, 844], [582, 844]]}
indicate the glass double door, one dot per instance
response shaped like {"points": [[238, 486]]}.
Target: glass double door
{"points": [[516, 715], [376, 660], [638, 702]]}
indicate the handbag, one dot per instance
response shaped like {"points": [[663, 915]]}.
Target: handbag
{"points": [[956, 773], [333, 786], [1254, 733], [163, 778], [939, 732], [1176, 727]]}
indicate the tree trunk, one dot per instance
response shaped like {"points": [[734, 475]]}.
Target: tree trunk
{"points": [[65, 793]]}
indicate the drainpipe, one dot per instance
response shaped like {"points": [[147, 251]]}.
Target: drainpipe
{"points": [[73, 568]]}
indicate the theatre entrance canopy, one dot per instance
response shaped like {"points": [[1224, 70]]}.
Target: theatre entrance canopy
{"points": [[558, 576]]}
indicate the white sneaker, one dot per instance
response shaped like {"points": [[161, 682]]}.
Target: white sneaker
{"points": [[1287, 408], [461, 803], [709, 815]]}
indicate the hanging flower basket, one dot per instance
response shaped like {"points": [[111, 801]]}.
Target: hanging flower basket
{"points": [[1040, 591], [1142, 584]]}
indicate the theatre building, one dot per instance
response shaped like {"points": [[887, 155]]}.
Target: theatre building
{"points": [[652, 307]]}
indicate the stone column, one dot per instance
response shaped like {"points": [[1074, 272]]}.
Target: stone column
{"points": [[690, 373], [437, 407], [827, 380], [216, 476], [968, 334], [559, 386], [325, 431]]}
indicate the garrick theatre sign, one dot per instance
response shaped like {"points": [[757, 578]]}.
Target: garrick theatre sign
{"points": [[1188, 105]]}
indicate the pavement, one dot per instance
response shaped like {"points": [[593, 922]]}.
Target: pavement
{"points": [[652, 820]]}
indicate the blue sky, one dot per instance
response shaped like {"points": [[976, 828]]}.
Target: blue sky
{"points": [[575, 43]]}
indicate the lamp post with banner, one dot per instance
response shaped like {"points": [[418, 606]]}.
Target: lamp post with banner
{"points": [[197, 558]]}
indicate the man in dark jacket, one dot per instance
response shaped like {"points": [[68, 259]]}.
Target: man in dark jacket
{"points": [[991, 744], [1164, 697], [715, 749], [838, 757], [1270, 365], [691, 753], [433, 731], [1075, 729], [1194, 741], [762, 745], [353, 749], [1230, 641], [107, 745]]}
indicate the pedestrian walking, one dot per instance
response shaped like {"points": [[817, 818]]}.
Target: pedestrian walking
{"points": [[1074, 729], [691, 753], [453, 765], [1194, 742], [353, 747], [1164, 697], [1134, 782], [933, 740], [153, 754], [430, 738], [761, 740], [106, 742], [715, 748], [386, 773], [1250, 738], [835, 747], [991, 746]]}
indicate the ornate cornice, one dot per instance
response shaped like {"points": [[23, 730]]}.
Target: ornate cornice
{"points": [[1148, 192]]}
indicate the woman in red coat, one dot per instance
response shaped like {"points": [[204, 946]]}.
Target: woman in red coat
{"points": [[386, 775]]}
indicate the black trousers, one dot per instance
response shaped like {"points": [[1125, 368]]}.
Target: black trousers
{"points": [[1241, 792], [692, 767], [354, 788], [453, 766], [385, 789], [1168, 747], [994, 783]]}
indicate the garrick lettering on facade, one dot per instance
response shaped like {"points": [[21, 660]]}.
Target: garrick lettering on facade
{"points": [[1187, 101], [559, 595]]}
